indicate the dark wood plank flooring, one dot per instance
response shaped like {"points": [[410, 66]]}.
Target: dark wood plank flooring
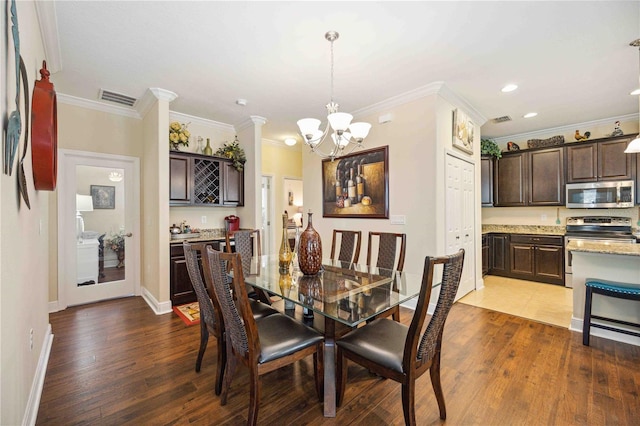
{"points": [[116, 362]]}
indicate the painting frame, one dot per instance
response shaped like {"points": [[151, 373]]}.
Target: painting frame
{"points": [[104, 197], [373, 165], [462, 131]]}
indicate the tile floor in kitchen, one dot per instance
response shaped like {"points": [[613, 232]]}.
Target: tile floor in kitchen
{"points": [[548, 303]]}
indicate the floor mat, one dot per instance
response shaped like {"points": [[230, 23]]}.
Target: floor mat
{"points": [[189, 313]]}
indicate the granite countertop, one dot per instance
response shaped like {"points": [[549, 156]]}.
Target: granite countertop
{"points": [[201, 235], [524, 229], [627, 249]]}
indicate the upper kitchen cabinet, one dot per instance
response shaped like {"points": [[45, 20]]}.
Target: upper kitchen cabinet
{"points": [[200, 180], [638, 177], [546, 177], [486, 180], [600, 160], [530, 178], [511, 180]]}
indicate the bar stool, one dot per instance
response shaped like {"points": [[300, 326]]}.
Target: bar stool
{"points": [[611, 289]]}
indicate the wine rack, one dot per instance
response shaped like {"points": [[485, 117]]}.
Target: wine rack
{"points": [[206, 181]]}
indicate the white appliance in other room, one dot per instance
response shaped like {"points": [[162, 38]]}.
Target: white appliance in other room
{"points": [[87, 259]]}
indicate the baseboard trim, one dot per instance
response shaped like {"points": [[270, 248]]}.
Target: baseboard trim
{"points": [[53, 307], [160, 308], [33, 403], [577, 323]]}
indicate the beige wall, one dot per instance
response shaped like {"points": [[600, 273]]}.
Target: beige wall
{"points": [[280, 162], [24, 234]]}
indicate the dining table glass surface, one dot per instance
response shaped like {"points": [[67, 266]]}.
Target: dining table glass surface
{"points": [[347, 293]]}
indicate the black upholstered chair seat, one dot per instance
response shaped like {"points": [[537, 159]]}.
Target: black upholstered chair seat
{"points": [[261, 310], [281, 335], [381, 341]]}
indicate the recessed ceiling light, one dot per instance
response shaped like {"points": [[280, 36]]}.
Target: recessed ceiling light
{"points": [[635, 92], [290, 141], [241, 102], [530, 114], [509, 88]]}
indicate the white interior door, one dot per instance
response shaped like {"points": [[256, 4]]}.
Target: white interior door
{"points": [[460, 207], [97, 194], [267, 214]]}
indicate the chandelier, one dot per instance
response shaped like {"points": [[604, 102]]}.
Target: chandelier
{"points": [[345, 135], [634, 145]]}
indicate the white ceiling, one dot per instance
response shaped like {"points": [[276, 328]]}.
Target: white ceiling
{"points": [[571, 60]]}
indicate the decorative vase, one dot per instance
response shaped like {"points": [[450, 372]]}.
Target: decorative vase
{"points": [[207, 149], [175, 146], [310, 250], [285, 254]]}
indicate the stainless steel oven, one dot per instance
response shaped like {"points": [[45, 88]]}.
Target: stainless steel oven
{"points": [[602, 229]]}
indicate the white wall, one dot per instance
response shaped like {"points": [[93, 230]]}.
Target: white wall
{"points": [[24, 235]]}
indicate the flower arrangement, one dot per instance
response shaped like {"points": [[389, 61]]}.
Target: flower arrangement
{"points": [[116, 242], [178, 134], [234, 152]]}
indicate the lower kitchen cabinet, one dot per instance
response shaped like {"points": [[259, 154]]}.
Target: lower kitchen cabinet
{"points": [[527, 257], [181, 290], [537, 258], [485, 254]]}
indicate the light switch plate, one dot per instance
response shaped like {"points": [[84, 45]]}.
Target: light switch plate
{"points": [[398, 219]]}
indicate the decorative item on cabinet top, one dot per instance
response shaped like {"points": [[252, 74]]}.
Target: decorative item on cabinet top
{"points": [[234, 152], [178, 135], [552, 141], [489, 147]]}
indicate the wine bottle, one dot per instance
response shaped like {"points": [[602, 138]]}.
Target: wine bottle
{"points": [[351, 185], [360, 183], [338, 184]]}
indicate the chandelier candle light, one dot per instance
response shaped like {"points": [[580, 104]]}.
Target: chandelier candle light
{"points": [[345, 133]]}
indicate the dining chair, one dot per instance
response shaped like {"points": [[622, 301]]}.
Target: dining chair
{"points": [[247, 243], [389, 247], [263, 345], [349, 245], [403, 353], [211, 321]]}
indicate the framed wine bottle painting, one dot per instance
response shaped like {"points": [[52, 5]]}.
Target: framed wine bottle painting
{"points": [[357, 185]]}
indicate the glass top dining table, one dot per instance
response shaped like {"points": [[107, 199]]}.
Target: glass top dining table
{"points": [[347, 293], [343, 293]]}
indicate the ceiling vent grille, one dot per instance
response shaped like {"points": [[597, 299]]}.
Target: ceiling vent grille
{"points": [[501, 119], [118, 98]]}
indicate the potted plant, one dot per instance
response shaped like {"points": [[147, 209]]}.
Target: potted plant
{"points": [[489, 147], [234, 152], [178, 135]]}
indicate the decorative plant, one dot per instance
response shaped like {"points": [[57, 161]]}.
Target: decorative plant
{"points": [[178, 134], [116, 242], [233, 151], [487, 146]]}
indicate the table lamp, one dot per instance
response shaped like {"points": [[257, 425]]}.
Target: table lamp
{"points": [[84, 203]]}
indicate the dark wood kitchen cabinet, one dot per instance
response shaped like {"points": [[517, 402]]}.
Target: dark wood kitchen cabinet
{"points": [[200, 180], [546, 177], [638, 179], [486, 180], [530, 178], [600, 160], [511, 184], [181, 290], [537, 258], [499, 254], [485, 254]]}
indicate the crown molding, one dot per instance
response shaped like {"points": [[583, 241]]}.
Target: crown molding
{"points": [[569, 128], [97, 106], [436, 88], [252, 121], [144, 104], [48, 21], [178, 116]]}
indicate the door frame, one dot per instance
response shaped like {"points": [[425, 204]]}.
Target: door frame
{"points": [[269, 239], [68, 159]]}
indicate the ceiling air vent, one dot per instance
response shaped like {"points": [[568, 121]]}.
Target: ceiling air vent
{"points": [[106, 95], [501, 119]]}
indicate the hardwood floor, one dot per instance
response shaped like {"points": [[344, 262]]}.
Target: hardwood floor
{"points": [[116, 362]]}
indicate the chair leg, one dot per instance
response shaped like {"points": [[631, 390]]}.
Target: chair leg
{"points": [[254, 395], [408, 400], [586, 322], [341, 377], [204, 338], [318, 368], [434, 372], [221, 365], [396, 313], [229, 371]]}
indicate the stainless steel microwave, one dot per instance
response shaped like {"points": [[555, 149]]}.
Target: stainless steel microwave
{"points": [[600, 195]]}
